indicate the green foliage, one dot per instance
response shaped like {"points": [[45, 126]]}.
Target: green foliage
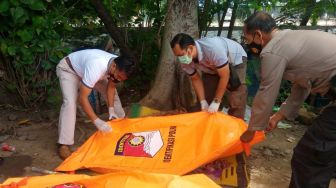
{"points": [[31, 47], [144, 43], [285, 90], [295, 10]]}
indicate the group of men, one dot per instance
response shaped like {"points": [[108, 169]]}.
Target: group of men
{"points": [[306, 58]]}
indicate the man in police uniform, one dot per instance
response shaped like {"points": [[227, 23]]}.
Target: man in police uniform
{"points": [[308, 60]]}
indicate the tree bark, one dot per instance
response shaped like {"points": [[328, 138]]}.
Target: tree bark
{"points": [[112, 28], [203, 18], [172, 89], [307, 12]]}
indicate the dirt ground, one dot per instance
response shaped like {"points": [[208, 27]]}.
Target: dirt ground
{"points": [[34, 136]]}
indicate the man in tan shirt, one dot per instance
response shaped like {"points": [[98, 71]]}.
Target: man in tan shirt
{"points": [[308, 60]]}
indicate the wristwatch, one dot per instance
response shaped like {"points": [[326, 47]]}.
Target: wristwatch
{"points": [[216, 100]]}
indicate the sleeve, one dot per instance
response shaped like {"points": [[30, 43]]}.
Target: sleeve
{"points": [[291, 106], [272, 69], [92, 74], [217, 57]]}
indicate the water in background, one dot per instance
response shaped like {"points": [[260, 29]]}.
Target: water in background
{"points": [[236, 34]]}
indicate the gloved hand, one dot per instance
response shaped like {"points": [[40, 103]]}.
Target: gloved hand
{"points": [[112, 113], [213, 108], [204, 105], [102, 125]]}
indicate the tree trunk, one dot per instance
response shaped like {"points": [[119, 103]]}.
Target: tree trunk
{"points": [[307, 12], [112, 28], [221, 21], [172, 89], [203, 18], [208, 26], [233, 18]]}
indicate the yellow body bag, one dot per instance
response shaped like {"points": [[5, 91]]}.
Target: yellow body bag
{"points": [[122, 179], [168, 144]]}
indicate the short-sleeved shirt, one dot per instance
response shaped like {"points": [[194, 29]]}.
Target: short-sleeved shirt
{"points": [[91, 65], [213, 54]]}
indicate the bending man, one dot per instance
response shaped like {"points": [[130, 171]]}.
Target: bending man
{"points": [[79, 73], [308, 60], [212, 56]]}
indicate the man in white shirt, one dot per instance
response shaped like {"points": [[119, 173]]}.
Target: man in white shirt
{"points": [[212, 56], [79, 73]]}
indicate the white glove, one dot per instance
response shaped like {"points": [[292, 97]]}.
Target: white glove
{"points": [[112, 113], [213, 108], [204, 105], [102, 125]]}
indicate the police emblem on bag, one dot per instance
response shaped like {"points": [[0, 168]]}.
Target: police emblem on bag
{"points": [[141, 144]]}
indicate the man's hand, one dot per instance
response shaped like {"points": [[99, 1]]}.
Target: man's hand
{"points": [[274, 120], [204, 105], [213, 108], [247, 136], [112, 113], [102, 125]]}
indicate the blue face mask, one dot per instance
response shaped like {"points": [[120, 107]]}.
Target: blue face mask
{"points": [[185, 59]]}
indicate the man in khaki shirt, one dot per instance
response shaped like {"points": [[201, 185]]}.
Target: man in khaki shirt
{"points": [[308, 60]]}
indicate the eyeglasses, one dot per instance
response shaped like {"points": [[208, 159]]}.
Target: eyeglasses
{"points": [[244, 39]]}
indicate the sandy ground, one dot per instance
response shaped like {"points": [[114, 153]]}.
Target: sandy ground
{"points": [[34, 136]]}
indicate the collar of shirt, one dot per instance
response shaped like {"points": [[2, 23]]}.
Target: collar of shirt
{"points": [[199, 52]]}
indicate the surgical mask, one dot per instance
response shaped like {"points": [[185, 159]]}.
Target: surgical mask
{"points": [[185, 59]]}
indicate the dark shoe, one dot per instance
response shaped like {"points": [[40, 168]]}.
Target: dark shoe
{"points": [[64, 151]]}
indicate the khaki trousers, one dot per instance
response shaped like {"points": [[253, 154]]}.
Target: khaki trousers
{"points": [[69, 84], [236, 99]]}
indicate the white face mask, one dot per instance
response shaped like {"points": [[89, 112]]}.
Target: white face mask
{"points": [[185, 59]]}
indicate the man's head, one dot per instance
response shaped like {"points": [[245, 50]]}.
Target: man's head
{"points": [[183, 47], [257, 30], [121, 69]]}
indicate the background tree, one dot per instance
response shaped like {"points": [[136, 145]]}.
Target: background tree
{"points": [[204, 15], [171, 87], [233, 17], [113, 29], [223, 6]]}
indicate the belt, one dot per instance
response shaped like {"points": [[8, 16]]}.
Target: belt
{"points": [[67, 60]]}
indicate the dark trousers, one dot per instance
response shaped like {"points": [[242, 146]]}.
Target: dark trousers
{"points": [[314, 158]]}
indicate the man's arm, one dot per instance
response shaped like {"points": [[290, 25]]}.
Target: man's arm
{"points": [[224, 75], [198, 86], [110, 92], [84, 93], [272, 69], [291, 106]]}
